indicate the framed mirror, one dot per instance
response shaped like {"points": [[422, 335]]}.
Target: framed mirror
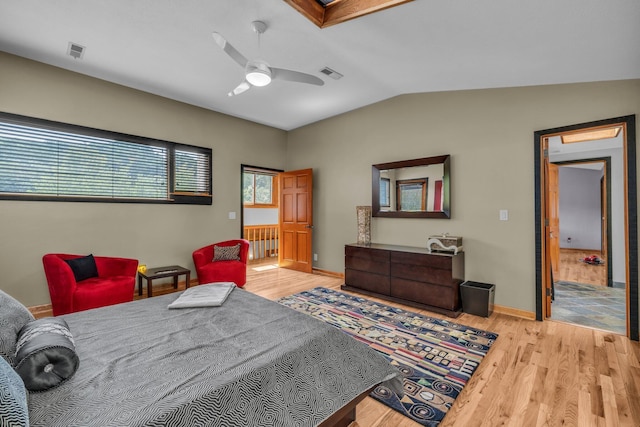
{"points": [[418, 188]]}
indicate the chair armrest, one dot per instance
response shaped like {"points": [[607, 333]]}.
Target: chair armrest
{"points": [[111, 266], [202, 256], [61, 282], [244, 250]]}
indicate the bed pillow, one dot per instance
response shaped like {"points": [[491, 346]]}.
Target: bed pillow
{"points": [[83, 268], [13, 316], [13, 398], [45, 354], [226, 253]]}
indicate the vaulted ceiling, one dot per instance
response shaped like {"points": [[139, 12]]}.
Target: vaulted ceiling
{"points": [[166, 47]]}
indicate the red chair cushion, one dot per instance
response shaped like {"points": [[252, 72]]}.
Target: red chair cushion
{"points": [[99, 292], [223, 271]]}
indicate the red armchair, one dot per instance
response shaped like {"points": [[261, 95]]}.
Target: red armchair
{"points": [[210, 271], [114, 284]]}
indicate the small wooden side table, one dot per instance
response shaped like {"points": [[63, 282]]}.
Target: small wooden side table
{"points": [[159, 272]]}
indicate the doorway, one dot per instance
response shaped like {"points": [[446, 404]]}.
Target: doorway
{"points": [[260, 213], [584, 292], [623, 249], [585, 229], [277, 216]]}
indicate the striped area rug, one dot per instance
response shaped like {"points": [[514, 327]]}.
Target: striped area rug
{"points": [[435, 356]]}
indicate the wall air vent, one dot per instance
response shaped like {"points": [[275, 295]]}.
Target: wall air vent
{"points": [[331, 73], [75, 50]]}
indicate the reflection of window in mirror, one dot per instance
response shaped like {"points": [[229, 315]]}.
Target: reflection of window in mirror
{"points": [[411, 194], [385, 188]]}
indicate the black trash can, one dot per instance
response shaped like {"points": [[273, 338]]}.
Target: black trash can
{"points": [[477, 298]]}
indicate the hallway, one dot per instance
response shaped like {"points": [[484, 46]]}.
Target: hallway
{"points": [[582, 297]]}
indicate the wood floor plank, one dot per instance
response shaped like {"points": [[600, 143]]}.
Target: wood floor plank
{"points": [[522, 396], [585, 417], [543, 416], [610, 407]]}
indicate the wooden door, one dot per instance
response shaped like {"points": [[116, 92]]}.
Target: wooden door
{"points": [[604, 229], [551, 228], [554, 218], [296, 220]]}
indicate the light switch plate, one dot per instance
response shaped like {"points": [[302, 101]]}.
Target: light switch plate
{"points": [[504, 215], [232, 215]]}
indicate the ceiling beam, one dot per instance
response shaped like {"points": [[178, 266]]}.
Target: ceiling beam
{"points": [[340, 11], [311, 9]]}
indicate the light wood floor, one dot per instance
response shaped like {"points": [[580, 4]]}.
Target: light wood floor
{"points": [[536, 374], [571, 269]]}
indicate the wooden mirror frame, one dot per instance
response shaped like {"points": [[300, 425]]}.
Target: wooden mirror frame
{"points": [[446, 187]]}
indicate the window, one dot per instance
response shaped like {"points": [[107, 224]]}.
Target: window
{"points": [[259, 189], [44, 160], [192, 172], [412, 194], [385, 185]]}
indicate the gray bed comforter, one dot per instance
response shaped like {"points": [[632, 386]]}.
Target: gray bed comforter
{"points": [[250, 362]]}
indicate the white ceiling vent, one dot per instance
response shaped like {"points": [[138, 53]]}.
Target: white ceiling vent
{"points": [[75, 50], [331, 73]]}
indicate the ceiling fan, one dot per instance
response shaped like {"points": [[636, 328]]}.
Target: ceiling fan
{"points": [[257, 72]]}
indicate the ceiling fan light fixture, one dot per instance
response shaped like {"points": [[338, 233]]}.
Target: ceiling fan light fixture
{"points": [[258, 74], [258, 78]]}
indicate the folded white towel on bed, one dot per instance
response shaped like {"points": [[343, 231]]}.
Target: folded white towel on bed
{"points": [[207, 295]]}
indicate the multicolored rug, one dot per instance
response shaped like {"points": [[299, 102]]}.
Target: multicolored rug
{"points": [[436, 357]]}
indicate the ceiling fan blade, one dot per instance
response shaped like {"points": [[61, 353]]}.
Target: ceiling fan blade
{"points": [[230, 50], [295, 76], [242, 87]]}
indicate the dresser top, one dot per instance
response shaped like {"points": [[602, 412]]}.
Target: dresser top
{"points": [[400, 248]]}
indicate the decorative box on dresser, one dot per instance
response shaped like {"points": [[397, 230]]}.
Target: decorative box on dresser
{"points": [[408, 275]]}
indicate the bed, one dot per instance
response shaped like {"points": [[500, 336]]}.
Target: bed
{"points": [[250, 362]]}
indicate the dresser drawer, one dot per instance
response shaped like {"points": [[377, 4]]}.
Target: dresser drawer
{"points": [[367, 281], [374, 255], [421, 273], [366, 264], [446, 297], [428, 260], [367, 260]]}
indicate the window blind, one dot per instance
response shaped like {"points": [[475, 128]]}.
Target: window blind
{"points": [[192, 172]]}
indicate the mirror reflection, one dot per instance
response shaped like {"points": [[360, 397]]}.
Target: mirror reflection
{"points": [[412, 188]]}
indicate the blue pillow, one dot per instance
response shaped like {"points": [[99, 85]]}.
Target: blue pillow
{"points": [[83, 268], [13, 398]]}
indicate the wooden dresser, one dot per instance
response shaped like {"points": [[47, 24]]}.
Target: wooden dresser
{"points": [[408, 275]]}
